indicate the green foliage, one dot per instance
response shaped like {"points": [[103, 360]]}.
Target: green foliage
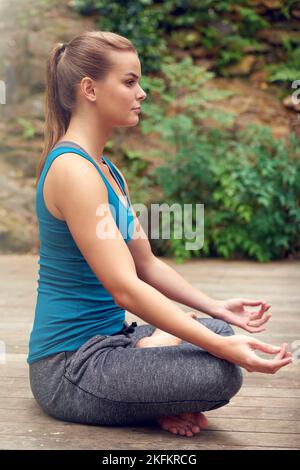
{"points": [[181, 89], [250, 185], [138, 21], [248, 181], [28, 131], [225, 29], [289, 70], [251, 22], [148, 23], [287, 6]]}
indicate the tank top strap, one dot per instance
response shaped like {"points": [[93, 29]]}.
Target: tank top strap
{"points": [[116, 173], [67, 149]]}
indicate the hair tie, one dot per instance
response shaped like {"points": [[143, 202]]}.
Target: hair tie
{"points": [[62, 47]]}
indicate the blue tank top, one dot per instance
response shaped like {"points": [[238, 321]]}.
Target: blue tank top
{"points": [[72, 304]]}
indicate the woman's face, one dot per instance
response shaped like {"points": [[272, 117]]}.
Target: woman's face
{"points": [[120, 92]]}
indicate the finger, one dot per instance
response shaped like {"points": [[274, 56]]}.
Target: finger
{"points": [[253, 303], [271, 366], [261, 321], [282, 352], [278, 363], [259, 314], [288, 354], [253, 329], [264, 347]]}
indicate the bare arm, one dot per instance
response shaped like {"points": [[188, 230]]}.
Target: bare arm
{"points": [[170, 283]]}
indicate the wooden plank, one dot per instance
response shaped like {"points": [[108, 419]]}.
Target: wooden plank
{"points": [[281, 382], [255, 425], [230, 411], [27, 443], [24, 420], [103, 438], [80, 436], [270, 392], [266, 402], [33, 417]]}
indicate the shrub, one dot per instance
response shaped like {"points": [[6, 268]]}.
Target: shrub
{"points": [[250, 186]]}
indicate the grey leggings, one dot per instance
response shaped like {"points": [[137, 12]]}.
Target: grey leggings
{"points": [[108, 381]]}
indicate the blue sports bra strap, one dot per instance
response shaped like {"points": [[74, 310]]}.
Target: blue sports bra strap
{"points": [[65, 149], [116, 172]]}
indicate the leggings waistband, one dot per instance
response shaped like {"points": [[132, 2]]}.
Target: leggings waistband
{"points": [[126, 329]]}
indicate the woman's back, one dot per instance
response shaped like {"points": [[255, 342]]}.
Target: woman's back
{"points": [[72, 304]]}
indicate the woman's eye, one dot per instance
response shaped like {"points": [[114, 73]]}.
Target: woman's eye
{"points": [[131, 81]]}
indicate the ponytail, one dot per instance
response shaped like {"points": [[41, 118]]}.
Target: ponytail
{"points": [[56, 117]]}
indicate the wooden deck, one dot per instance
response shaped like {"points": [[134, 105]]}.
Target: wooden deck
{"points": [[264, 415]]}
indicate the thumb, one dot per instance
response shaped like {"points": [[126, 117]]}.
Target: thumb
{"points": [[265, 347]]}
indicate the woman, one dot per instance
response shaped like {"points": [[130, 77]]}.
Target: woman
{"points": [[87, 365]]}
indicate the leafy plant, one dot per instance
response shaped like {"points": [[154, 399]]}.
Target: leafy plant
{"points": [[28, 130], [225, 27], [139, 21], [288, 70], [181, 89], [250, 186]]}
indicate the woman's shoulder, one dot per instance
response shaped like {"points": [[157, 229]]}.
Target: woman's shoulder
{"points": [[71, 163]]}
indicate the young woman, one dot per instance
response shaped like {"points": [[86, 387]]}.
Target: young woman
{"points": [[86, 364]]}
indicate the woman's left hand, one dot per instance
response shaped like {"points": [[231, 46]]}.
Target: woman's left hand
{"points": [[235, 311]]}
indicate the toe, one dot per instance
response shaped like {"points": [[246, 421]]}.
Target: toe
{"points": [[187, 426], [197, 420], [195, 429], [181, 426], [172, 424], [201, 420], [173, 430], [189, 433]]}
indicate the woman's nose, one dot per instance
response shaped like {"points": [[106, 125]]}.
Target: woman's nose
{"points": [[144, 94]]}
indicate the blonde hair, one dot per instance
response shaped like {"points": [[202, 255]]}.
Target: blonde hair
{"points": [[85, 55]]}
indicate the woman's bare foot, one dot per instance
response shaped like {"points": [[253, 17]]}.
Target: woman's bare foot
{"points": [[161, 338], [184, 424]]}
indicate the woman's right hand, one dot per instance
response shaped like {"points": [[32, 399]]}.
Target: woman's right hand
{"points": [[240, 349]]}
